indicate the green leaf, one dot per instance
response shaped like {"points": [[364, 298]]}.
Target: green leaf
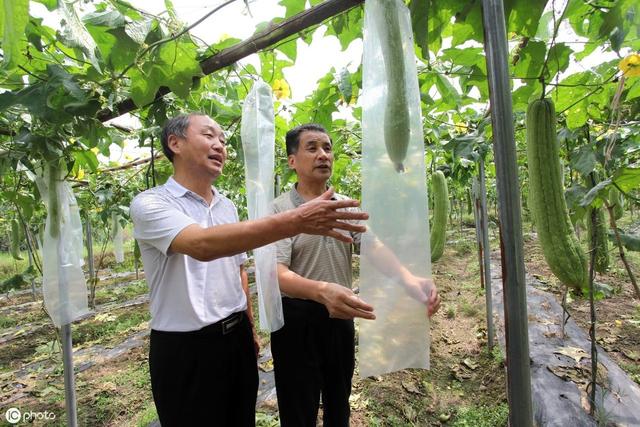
{"points": [[51, 5], [419, 10], [468, 56], [634, 91], [468, 23], [584, 160], [75, 33], [290, 49], [347, 27], [179, 65], [86, 159], [596, 194], [447, 91], [292, 7], [531, 60], [111, 18], [523, 16], [627, 179], [577, 115], [14, 15], [558, 60], [145, 83], [523, 95], [138, 30], [545, 27], [344, 84]]}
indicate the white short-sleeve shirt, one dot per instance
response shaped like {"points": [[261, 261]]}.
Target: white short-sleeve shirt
{"points": [[185, 294]]}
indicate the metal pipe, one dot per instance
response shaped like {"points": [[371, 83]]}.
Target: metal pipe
{"points": [[69, 380], [511, 248], [486, 253]]}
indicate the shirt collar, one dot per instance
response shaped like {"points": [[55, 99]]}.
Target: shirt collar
{"points": [[178, 190], [297, 199]]}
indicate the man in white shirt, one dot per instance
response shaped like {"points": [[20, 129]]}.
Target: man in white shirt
{"points": [[202, 356]]}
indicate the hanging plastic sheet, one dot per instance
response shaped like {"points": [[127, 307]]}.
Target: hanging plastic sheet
{"points": [[118, 244], [394, 193], [118, 239], [63, 285], [258, 141]]}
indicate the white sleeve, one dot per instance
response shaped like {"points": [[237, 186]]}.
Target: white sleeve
{"points": [[242, 257], [156, 221]]}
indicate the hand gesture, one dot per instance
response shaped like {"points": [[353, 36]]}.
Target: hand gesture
{"points": [[342, 303], [322, 216], [424, 290]]}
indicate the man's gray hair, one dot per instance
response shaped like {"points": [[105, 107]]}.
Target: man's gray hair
{"points": [[175, 126]]}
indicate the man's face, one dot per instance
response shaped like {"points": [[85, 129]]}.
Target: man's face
{"points": [[314, 158], [203, 148]]}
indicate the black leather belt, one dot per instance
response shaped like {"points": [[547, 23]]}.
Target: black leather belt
{"points": [[228, 324], [221, 327]]}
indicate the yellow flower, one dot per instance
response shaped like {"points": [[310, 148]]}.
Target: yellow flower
{"points": [[80, 173], [95, 150], [630, 65], [281, 89], [460, 127]]}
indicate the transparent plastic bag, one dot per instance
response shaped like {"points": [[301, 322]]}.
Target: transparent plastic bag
{"points": [[258, 142], [118, 243], [394, 193], [63, 284]]}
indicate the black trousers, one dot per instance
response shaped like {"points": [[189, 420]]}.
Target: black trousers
{"points": [[205, 377], [312, 355]]}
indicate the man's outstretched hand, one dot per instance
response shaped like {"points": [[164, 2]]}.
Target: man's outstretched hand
{"points": [[322, 216]]}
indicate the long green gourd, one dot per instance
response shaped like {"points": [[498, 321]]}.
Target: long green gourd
{"points": [[15, 240], [440, 214], [616, 200], [54, 205], [396, 112], [559, 243], [602, 242]]}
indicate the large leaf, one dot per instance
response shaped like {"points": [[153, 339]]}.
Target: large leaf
{"points": [[180, 65], [531, 60], [628, 179], [420, 24], [557, 60], [76, 34], [347, 27], [14, 15], [50, 4], [292, 7], [584, 160], [523, 16], [468, 56]]}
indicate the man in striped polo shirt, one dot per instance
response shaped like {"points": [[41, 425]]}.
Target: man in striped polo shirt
{"points": [[314, 352]]}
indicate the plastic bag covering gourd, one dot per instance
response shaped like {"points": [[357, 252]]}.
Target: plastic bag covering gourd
{"points": [[258, 140], [118, 247], [397, 205], [63, 285], [396, 111]]}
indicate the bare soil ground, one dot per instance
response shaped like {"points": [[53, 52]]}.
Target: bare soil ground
{"points": [[464, 387]]}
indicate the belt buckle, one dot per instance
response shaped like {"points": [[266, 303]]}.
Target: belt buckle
{"points": [[230, 323]]}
